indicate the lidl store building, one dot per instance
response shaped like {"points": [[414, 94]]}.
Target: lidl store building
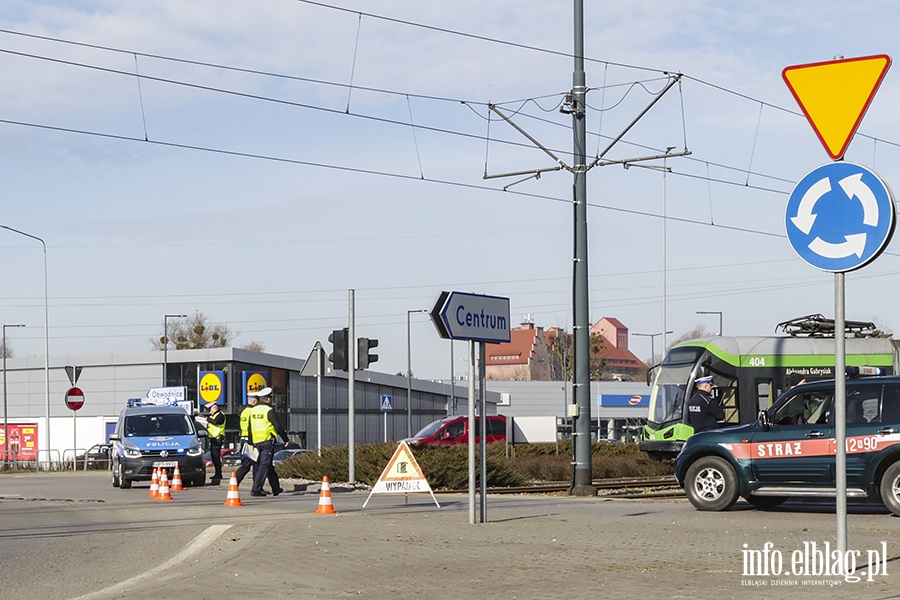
{"points": [[381, 410]]}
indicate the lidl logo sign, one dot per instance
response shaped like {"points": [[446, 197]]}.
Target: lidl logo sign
{"points": [[254, 381], [212, 387]]}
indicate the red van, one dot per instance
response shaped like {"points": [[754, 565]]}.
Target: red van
{"points": [[453, 430]]}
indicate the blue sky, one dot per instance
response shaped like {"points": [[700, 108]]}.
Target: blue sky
{"points": [[261, 207]]}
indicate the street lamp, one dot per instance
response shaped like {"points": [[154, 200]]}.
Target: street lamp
{"points": [[409, 371], [713, 312], [5, 410], [166, 345], [652, 337], [46, 335]]}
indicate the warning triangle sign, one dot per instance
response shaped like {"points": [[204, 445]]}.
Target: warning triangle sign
{"points": [[403, 475], [834, 95], [403, 466]]}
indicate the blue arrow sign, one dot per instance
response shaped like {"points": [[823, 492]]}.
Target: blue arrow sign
{"points": [[840, 217], [475, 317], [387, 403]]}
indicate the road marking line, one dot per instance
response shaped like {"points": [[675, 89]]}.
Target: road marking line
{"points": [[198, 543]]}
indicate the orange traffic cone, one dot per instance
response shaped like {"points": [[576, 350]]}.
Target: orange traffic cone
{"points": [[177, 486], [154, 484], [325, 505], [164, 487], [234, 496]]}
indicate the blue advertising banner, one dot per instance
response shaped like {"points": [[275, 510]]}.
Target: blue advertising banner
{"points": [[625, 400]]}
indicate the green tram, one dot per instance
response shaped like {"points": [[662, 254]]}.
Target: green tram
{"points": [[749, 373]]}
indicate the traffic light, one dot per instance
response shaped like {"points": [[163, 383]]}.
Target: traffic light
{"points": [[340, 353], [363, 358]]}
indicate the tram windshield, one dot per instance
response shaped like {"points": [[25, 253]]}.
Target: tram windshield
{"points": [[669, 383], [667, 394]]}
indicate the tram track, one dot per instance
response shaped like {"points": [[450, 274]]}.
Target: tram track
{"points": [[621, 487]]}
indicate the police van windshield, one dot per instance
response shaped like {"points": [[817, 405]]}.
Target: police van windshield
{"points": [[144, 425]]}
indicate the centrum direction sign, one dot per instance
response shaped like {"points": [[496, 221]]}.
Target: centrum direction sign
{"points": [[463, 316]]}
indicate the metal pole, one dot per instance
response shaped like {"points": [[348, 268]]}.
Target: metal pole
{"points": [[713, 312], [451, 408], [165, 349], [482, 443], [471, 428], [581, 478], [46, 335], [840, 413], [351, 384], [320, 373], [409, 371], [408, 377], [5, 409], [652, 337]]}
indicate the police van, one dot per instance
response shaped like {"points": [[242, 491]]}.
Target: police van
{"points": [[156, 434], [790, 450]]}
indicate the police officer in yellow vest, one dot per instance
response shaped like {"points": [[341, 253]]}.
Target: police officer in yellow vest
{"points": [[215, 432], [246, 463], [264, 428]]}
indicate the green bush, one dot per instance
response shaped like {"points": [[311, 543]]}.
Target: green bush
{"points": [[447, 467]]}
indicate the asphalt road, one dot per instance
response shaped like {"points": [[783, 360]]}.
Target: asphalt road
{"points": [[66, 536]]}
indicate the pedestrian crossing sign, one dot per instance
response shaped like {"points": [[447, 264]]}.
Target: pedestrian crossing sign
{"points": [[387, 403]]}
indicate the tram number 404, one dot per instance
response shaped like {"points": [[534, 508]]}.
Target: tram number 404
{"points": [[757, 361]]}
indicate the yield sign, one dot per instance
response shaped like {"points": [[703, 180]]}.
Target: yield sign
{"points": [[834, 95]]}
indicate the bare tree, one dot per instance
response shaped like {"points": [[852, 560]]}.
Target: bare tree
{"points": [[561, 348], [254, 346], [193, 332], [700, 331], [6, 350]]}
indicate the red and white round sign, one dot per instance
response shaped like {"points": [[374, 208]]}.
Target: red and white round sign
{"points": [[74, 398]]}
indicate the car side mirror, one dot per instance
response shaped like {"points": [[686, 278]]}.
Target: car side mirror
{"points": [[763, 419]]}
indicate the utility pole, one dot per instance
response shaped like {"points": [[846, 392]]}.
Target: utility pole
{"points": [[582, 479], [576, 105]]}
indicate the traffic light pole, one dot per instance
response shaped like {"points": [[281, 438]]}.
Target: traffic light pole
{"points": [[351, 384]]}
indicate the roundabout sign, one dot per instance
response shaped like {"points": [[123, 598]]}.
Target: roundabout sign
{"points": [[840, 217]]}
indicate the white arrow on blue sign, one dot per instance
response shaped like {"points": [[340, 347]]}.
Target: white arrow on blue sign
{"points": [[463, 316], [840, 217]]}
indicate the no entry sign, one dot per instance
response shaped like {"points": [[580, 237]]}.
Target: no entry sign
{"points": [[74, 398]]}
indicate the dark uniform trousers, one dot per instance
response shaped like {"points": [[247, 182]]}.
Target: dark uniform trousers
{"points": [[264, 468]]}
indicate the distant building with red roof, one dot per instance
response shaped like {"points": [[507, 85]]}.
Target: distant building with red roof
{"points": [[525, 357], [528, 356]]}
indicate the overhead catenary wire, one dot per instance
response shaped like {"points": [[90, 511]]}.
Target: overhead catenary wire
{"points": [[606, 63]]}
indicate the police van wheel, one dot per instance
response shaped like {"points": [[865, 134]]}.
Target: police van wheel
{"points": [[115, 475], [711, 484], [890, 488]]}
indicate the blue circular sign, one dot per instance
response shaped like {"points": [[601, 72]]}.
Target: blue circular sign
{"points": [[840, 217]]}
